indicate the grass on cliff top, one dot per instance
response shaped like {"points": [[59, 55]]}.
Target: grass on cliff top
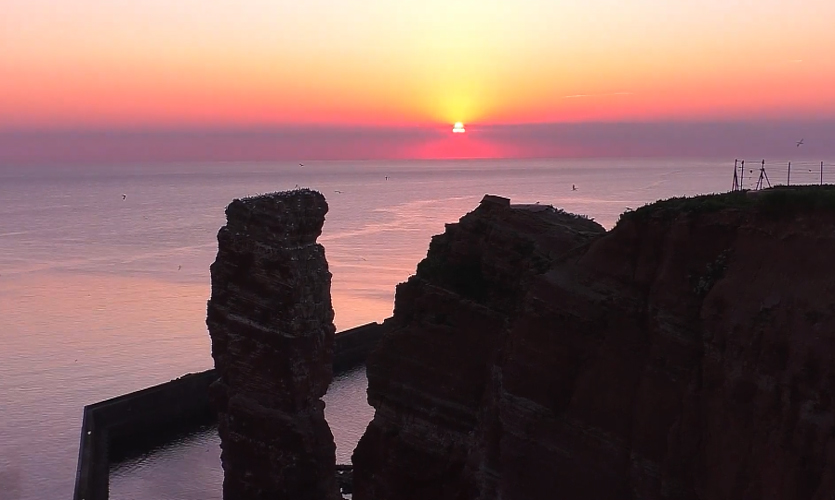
{"points": [[777, 202]]}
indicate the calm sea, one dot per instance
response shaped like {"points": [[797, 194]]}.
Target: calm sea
{"points": [[102, 294]]}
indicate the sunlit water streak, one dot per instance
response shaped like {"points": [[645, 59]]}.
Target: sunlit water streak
{"points": [[100, 296]]}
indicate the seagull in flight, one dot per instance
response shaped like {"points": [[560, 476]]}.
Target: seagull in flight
{"points": [[301, 164], [337, 191], [124, 196], [573, 187], [800, 143]]}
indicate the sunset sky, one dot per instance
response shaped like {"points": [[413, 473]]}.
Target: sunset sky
{"points": [[165, 65]]}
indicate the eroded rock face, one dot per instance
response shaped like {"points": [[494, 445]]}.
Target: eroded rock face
{"points": [[429, 377], [271, 322], [680, 356]]}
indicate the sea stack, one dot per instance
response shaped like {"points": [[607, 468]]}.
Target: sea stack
{"points": [[271, 322]]}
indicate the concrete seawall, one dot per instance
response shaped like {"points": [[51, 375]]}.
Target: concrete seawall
{"points": [[352, 347], [113, 425], [117, 426]]}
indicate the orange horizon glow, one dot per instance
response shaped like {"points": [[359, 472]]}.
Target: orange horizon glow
{"points": [[94, 63]]}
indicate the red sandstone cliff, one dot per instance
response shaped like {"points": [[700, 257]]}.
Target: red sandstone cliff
{"points": [[686, 354], [271, 323]]}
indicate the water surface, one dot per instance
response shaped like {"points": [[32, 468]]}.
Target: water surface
{"points": [[101, 295]]}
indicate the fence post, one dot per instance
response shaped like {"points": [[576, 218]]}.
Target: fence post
{"points": [[821, 173], [789, 175]]}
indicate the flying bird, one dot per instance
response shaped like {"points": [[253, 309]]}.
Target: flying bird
{"points": [[573, 187], [179, 267], [124, 196], [301, 164], [800, 143], [337, 191]]}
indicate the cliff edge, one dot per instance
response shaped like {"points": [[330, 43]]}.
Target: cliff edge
{"points": [[689, 353]]}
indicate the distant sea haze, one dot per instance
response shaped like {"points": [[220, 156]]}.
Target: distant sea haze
{"points": [[104, 278], [728, 139]]}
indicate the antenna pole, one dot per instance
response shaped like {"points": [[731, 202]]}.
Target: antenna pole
{"points": [[789, 175], [765, 175], [736, 179], [821, 173], [762, 174], [741, 174]]}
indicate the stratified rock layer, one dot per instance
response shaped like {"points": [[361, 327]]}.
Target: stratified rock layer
{"points": [[429, 377], [687, 354], [271, 322]]}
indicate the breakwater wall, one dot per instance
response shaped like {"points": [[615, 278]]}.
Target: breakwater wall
{"points": [[118, 426], [352, 347]]}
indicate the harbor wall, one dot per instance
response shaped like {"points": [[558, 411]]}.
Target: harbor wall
{"points": [[119, 426]]}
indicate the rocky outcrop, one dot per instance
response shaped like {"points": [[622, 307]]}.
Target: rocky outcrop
{"points": [[429, 377], [689, 353], [271, 322]]}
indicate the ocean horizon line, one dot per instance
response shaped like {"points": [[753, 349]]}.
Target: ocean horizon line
{"points": [[532, 141]]}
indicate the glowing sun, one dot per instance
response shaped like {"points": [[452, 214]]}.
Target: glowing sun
{"points": [[458, 128]]}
